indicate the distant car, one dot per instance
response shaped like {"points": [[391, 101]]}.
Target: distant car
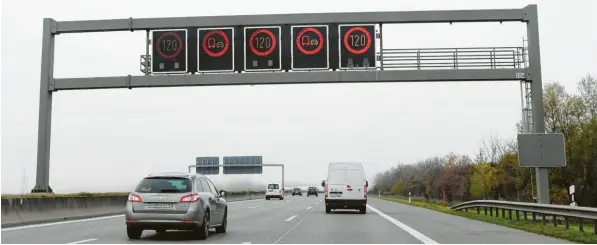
{"points": [[345, 187], [297, 191], [273, 190], [312, 191], [176, 201]]}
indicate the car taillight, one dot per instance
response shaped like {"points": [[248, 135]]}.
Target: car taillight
{"points": [[134, 198], [348, 187], [190, 198]]}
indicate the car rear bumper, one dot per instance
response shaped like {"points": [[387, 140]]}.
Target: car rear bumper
{"points": [[163, 224], [345, 203], [185, 221]]}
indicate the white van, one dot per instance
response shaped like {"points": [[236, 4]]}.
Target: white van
{"points": [[274, 190], [345, 187]]}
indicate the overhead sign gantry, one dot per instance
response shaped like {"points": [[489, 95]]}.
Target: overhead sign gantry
{"points": [[264, 49]]}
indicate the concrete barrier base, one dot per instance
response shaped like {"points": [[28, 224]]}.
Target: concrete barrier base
{"points": [[30, 211]]}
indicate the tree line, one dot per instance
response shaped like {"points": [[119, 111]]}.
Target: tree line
{"points": [[494, 173]]}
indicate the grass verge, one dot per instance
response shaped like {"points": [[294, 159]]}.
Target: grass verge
{"points": [[573, 234]]}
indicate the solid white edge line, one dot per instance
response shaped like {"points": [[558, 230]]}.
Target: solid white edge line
{"points": [[246, 242], [83, 241], [291, 218], [60, 223], [411, 231]]}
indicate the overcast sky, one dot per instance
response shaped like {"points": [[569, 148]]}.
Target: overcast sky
{"points": [[105, 140]]}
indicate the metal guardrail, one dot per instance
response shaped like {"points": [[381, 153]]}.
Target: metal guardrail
{"points": [[454, 58], [544, 210]]}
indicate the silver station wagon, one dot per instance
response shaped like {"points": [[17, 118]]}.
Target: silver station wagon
{"points": [[176, 201]]}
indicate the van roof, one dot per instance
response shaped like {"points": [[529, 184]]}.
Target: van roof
{"points": [[341, 165]]}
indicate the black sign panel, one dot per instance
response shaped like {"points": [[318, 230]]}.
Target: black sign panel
{"points": [[215, 51], [357, 46], [230, 161], [262, 48], [169, 51], [208, 161], [310, 47]]}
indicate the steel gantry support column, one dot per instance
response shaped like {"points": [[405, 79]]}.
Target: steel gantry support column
{"points": [[42, 179], [532, 20]]}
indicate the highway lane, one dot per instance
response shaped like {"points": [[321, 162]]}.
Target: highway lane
{"points": [[296, 220]]}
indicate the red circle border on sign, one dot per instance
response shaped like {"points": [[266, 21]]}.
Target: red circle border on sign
{"points": [[178, 38], [226, 43], [367, 34], [303, 50], [267, 52]]}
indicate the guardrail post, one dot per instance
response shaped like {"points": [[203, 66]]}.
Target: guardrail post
{"points": [[595, 226], [543, 219], [510, 214], [580, 228], [485, 210], [555, 221], [478, 210], [534, 216], [497, 212], [491, 211], [517, 215], [504, 214], [566, 223]]}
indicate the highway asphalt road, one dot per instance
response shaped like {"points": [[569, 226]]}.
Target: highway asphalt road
{"points": [[294, 220]]}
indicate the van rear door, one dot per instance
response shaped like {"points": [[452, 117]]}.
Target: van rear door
{"points": [[355, 184]]}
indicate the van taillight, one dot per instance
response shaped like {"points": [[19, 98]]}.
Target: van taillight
{"points": [[325, 191], [365, 191], [190, 198], [134, 198]]}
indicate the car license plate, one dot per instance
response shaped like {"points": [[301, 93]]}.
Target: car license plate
{"points": [[335, 194], [159, 206]]}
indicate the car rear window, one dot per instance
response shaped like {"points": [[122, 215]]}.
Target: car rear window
{"points": [[273, 186], [164, 185], [297, 189]]}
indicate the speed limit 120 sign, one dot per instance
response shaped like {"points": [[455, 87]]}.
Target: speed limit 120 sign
{"points": [[357, 46], [262, 48], [169, 53]]}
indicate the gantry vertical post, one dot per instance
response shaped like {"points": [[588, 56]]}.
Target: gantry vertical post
{"points": [[42, 178]]}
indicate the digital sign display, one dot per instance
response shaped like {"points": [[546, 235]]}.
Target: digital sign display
{"points": [[169, 51], [215, 51], [357, 46], [230, 162], [212, 162], [310, 47], [262, 48]]}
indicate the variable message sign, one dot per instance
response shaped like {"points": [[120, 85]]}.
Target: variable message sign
{"points": [[215, 51], [262, 48], [357, 46], [310, 47], [208, 161], [230, 161], [169, 51]]}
